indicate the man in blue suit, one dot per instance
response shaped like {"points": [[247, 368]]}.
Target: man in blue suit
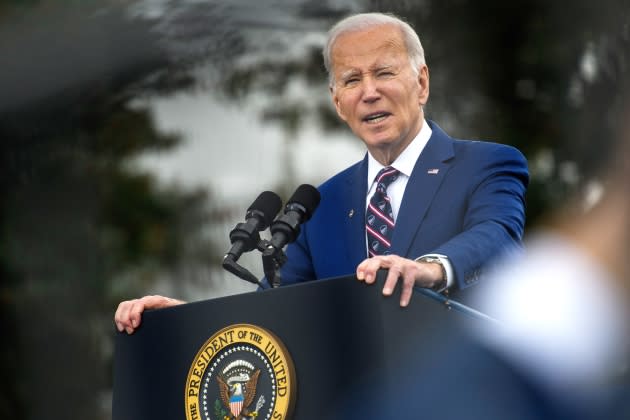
{"points": [[443, 208], [456, 204]]}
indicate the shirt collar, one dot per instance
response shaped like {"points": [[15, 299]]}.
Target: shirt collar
{"points": [[407, 159]]}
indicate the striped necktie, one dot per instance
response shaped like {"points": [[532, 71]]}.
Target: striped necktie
{"points": [[379, 219]]}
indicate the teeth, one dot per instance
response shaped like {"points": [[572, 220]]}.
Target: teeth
{"points": [[376, 118]]}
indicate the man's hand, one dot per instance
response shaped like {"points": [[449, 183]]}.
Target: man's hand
{"points": [[409, 271], [129, 313]]}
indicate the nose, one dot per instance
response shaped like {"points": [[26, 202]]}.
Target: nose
{"points": [[370, 90]]}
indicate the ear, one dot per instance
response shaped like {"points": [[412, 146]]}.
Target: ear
{"points": [[423, 82], [335, 100]]}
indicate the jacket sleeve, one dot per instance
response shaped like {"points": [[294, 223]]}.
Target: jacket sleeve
{"points": [[494, 219]]}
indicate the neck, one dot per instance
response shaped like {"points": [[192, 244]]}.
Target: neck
{"points": [[387, 154]]}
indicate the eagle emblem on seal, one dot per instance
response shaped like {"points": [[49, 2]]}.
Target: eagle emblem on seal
{"points": [[237, 394]]}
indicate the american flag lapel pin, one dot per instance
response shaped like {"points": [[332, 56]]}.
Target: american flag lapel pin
{"points": [[433, 171]]}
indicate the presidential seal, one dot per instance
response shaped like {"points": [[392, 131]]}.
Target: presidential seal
{"points": [[241, 372]]}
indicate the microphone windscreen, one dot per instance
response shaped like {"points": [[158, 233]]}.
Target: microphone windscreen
{"points": [[307, 196], [269, 204]]}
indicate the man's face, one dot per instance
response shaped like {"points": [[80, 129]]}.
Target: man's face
{"points": [[376, 92]]}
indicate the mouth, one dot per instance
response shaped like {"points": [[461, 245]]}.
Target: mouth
{"points": [[376, 117]]}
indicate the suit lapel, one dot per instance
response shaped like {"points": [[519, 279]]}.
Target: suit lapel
{"points": [[428, 173], [354, 213]]}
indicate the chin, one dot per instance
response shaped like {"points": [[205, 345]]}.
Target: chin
{"points": [[379, 141]]}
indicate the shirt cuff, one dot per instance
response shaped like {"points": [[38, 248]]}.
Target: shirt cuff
{"points": [[448, 268]]}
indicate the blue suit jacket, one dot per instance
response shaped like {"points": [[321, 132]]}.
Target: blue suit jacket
{"points": [[471, 210]]}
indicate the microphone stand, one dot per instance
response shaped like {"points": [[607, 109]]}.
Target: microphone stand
{"points": [[273, 258], [230, 265], [229, 260]]}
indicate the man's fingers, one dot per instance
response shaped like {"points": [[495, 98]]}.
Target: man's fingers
{"points": [[128, 316], [117, 318], [135, 313], [371, 269], [366, 271], [361, 270], [121, 316], [391, 280], [399, 269], [407, 289]]}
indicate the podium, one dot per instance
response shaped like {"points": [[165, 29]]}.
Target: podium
{"points": [[340, 335]]}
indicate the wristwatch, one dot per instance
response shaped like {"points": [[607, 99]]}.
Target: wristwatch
{"points": [[440, 285]]}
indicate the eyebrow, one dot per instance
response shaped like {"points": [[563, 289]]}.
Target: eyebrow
{"points": [[349, 73], [353, 72], [382, 67]]}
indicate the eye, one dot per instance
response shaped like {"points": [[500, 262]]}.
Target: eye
{"points": [[351, 81], [385, 73]]}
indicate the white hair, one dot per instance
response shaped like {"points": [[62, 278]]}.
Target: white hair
{"points": [[363, 21]]}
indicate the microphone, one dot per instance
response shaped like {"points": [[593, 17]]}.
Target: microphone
{"points": [[298, 210], [244, 237]]}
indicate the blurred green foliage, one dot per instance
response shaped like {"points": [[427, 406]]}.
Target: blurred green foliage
{"points": [[76, 218], [82, 228]]}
